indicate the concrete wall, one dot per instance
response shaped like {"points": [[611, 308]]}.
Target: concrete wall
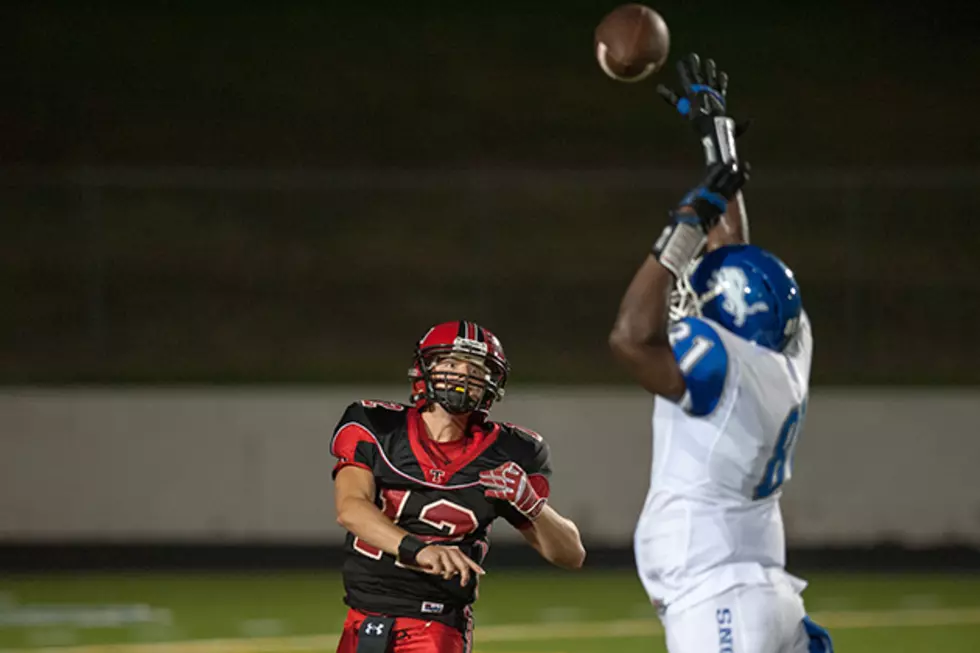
{"points": [[213, 465]]}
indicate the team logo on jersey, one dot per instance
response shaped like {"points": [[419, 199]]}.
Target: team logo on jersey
{"points": [[436, 475], [732, 283]]}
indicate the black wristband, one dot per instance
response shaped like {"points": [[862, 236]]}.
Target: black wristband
{"points": [[409, 548]]}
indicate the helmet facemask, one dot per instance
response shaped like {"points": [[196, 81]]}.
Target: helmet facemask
{"points": [[457, 382], [462, 377], [684, 300]]}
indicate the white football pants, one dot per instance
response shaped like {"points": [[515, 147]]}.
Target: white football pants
{"points": [[745, 619]]}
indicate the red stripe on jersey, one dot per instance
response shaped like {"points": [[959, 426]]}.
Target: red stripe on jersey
{"points": [[345, 441]]}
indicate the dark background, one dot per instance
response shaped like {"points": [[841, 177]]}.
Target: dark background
{"points": [[236, 193]]}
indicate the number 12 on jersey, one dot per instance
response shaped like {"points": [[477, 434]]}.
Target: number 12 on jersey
{"points": [[780, 465]]}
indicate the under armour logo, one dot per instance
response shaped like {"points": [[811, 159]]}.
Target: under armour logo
{"points": [[436, 475], [734, 285], [374, 629]]}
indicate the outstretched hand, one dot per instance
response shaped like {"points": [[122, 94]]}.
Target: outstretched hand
{"points": [[703, 100]]}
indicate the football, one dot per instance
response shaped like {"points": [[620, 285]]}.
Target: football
{"points": [[632, 42]]}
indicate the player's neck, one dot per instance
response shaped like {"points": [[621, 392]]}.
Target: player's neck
{"points": [[442, 426]]}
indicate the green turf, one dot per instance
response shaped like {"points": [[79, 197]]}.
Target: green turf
{"points": [[287, 604], [960, 639]]}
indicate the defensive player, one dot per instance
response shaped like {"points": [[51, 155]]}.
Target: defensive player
{"points": [[727, 354], [417, 488]]}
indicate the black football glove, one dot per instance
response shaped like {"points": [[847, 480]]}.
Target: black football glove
{"points": [[704, 103], [696, 214]]}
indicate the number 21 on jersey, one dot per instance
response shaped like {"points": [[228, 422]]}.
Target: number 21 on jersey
{"points": [[680, 331], [780, 466]]}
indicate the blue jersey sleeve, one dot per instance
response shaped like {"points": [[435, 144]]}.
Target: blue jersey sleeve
{"points": [[703, 360]]}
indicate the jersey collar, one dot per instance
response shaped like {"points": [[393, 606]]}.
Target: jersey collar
{"points": [[480, 439]]}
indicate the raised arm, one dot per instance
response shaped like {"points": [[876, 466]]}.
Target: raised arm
{"points": [[732, 228], [703, 101], [639, 337]]}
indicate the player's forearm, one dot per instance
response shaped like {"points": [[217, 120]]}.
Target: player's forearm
{"points": [[642, 316], [639, 336], [732, 228], [740, 217], [362, 518], [557, 539]]}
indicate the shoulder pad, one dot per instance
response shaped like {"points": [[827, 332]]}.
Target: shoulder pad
{"points": [[361, 431], [378, 417], [380, 406], [703, 360], [522, 432], [529, 448]]}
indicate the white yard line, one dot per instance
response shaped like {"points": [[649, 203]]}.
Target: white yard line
{"points": [[833, 620]]}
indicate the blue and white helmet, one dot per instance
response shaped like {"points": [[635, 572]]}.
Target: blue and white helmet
{"points": [[745, 289]]}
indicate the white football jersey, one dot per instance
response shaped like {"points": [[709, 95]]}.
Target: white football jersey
{"points": [[711, 520]]}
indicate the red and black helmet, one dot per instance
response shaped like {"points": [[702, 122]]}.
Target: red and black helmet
{"points": [[458, 392]]}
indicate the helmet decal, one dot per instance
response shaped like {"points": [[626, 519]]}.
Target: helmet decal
{"points": [[746, 290], [733, 285]]}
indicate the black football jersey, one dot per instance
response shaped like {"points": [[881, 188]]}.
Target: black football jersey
{"points": [[432, 498]]}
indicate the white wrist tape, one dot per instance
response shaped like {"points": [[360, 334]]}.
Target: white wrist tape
{"points": [[677, 246]]}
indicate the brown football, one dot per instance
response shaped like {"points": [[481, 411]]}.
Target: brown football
{"points": [[632, 42]]}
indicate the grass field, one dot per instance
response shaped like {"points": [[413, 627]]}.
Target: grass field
{"points": [[517, 613]]}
